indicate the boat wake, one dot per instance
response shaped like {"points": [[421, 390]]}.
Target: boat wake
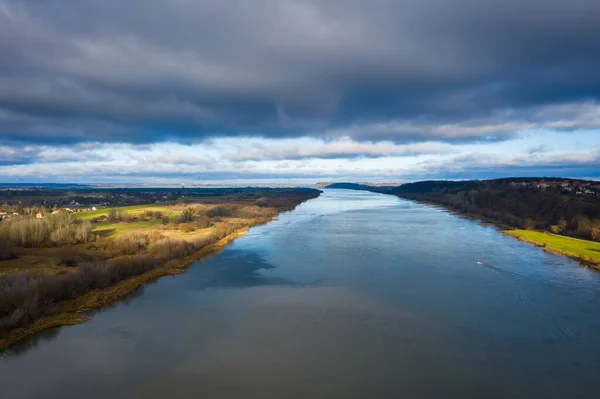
{"points": [[563, 330]]}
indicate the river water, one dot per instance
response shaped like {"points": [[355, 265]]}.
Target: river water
{"points": [[351, 295]]}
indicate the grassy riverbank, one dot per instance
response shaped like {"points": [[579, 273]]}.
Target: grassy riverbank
{"points": [[44, 284], [71, 311], [587, 252], [520, 207]]}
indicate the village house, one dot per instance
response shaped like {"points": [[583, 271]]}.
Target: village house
{"points": [[39, 215], [541, 184]]}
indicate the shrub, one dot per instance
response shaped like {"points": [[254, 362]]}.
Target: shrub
{"points": [[7, 251], [186, 216], [187, 227], [25, 298], [221, 211], [112, 215], [67, 256], [203, 222]]}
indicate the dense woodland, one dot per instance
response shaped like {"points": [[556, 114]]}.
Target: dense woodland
{"points": [[551, 208]]}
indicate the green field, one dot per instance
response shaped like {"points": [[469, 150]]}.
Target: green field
{"points": [[588, 251], [108, 229], [133, 209]]}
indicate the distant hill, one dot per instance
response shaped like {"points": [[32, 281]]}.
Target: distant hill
{"points": [[381, 188], [565, 206]]}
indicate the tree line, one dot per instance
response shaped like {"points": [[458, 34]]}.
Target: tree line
{"points": [[58, 229], [552, 209]]}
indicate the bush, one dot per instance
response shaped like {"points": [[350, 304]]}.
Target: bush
{"points": [[24, 299], [243, 212], [221, 211], [203, 222], [112, 216], [187, 227], [67, 256], [186, 216], [7, 251]]}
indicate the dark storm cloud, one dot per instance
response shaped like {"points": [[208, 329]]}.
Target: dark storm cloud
{"points": [[405, 71]]}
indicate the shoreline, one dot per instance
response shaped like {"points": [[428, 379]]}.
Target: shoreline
{"points": [[592, 264], [506, 230], [71, 311]]}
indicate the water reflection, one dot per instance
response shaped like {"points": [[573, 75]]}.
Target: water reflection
{"points": [[20, 347], [235, 268], [351, 295]]}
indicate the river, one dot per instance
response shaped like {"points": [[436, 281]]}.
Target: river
{"points": [[351, 295]]}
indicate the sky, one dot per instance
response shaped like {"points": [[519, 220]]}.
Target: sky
{"points": [[298, 91]]}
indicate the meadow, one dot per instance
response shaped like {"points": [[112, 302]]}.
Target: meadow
{"points": [[583, 250]]}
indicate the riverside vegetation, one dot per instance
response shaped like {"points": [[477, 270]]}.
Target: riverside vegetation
{"points": [[559, 215], [53, 268]]}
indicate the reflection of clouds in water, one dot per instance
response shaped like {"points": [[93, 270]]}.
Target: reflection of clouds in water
{"points": [[234, 268], [288, 332], [331, 202], [399, 310]]}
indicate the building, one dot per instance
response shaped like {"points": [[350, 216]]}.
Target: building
{"points": [[39, 215]]}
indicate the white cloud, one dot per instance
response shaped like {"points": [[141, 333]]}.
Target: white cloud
{"points": [[244, 159], [344, 148]]}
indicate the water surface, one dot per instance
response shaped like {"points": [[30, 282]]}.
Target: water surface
{"points": [[351, 295]]}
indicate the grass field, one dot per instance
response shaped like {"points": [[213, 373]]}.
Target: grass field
{"points": [[133, 209], [108, 229], [588, 251]]}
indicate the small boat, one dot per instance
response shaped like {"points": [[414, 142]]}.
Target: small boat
{"points": [[479, 263]]}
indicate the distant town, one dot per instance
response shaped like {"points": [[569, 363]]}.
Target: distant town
{"points": [[579, 187]]}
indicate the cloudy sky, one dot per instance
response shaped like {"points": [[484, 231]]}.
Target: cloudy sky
{"points": [[298, 90]]}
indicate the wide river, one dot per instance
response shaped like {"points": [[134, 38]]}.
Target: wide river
{"points": [[351, 295]]}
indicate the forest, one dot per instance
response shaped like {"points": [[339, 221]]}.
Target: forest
{"points": [[561, 206]]}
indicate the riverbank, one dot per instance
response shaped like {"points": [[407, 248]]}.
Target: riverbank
{"points": [[72, 311], [47, 287], [586, 252]]}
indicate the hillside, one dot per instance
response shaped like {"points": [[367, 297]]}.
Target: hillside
{"points": [[563, 206]]}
